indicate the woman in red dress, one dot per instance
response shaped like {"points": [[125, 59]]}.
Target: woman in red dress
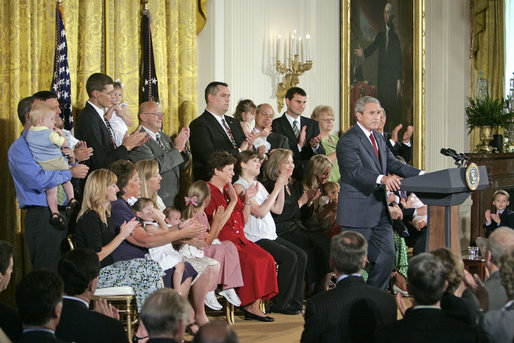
{"points": [[257, 265]]}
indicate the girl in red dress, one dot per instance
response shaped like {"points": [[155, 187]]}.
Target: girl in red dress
{"points": [[257, 265]]}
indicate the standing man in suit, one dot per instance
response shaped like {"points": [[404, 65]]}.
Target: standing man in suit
{"points": [[301, 132], [425, 321], [39, 301], [214, 131], [364, 163], [94, 128], [79, 269], [352, 309], [403, 148], [171, 156], [263, 119]]}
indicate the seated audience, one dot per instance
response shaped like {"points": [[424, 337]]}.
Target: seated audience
{"points": [[501, 215], [399, 149], [497, 324], [261, 230], [324, 115], [30, 181], [352, 310], [137, 244], [79, 269], [39, 301], [216, 332], [245, 113], [10, 321], [257, 266], [425, 321], [289, 222], [456, 301], [230, 275], [207, 268], [165, 315]]}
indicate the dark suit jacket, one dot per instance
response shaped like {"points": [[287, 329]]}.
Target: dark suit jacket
{"points": [[79, 324], [506, 219], [427, 325], [399, 149], [208, 136], [348, 313], [360, 167], [282, 126], [170, 162], [10, 322], [161, 340], [39, 337], [91, 128]]}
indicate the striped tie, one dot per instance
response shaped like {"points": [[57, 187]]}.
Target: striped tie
{"points": [[111, 132], [229, 133], [296, 130]]}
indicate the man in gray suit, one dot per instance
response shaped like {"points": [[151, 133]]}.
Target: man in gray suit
{"points": [[171, 156], [365, 164]]}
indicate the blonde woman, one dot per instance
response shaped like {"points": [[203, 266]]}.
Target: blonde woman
{"points": [[148, 171]]}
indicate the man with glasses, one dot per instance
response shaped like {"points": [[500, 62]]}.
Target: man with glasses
{"points": [[171, 156], [94, 128]]}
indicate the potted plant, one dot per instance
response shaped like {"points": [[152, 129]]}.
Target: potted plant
{"points": [[488, 114]]}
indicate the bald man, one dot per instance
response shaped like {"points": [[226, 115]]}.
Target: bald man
{"points": [[263, 119], [171, 156]]}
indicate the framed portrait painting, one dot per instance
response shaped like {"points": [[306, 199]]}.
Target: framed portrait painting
{"points": [[382, 55]]}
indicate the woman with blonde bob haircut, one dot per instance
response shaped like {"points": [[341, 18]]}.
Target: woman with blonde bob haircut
{"points": [[324, 115]]}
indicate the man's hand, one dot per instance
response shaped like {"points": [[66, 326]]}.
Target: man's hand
{"points": [[394, 133], [315, 141], [69, 153], [82, 152], [302, 137], [477, 287], [79, 171], [136, 139], [408, 134], [392, 182], [181, 139], [103, 307], [358, 52]]}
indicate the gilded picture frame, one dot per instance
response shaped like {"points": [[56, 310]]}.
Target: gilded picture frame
{"points": [[362, 24]]}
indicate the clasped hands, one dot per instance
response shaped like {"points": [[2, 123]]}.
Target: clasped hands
{"points": [[392, 182]]}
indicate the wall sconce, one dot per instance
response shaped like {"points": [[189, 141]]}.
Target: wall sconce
{"points": [[294, 64]]}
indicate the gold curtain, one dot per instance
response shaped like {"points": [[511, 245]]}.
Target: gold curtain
{"points": [[488, 43], [102, 36]]}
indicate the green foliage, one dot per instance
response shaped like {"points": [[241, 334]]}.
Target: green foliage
{"points": [[488, 112]]}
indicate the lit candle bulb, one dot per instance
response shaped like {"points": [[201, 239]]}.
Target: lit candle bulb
{"points": [[308, 47]]}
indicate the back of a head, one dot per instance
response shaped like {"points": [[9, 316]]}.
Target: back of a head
{"points": [[506, 265], [162, 311], [348, 251], [6, 253], [427, 279], [499, 241], [453, 265], [44, 95], [24, 107], [37, 295], [78, 268], [216, 332]]}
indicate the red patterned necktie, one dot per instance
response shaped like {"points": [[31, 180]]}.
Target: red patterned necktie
{"points": [[374, 145], [229, 133]]}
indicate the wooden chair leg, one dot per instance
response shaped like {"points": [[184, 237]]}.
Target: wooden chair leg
{"points": [[229, 313]]}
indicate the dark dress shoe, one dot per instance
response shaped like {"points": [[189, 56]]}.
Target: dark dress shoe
{"points": [[251, 316], [285, 310]]}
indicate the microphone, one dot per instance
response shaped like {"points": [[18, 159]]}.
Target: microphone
{"points": [[460, 159]]}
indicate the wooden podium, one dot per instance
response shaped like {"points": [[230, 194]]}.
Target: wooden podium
{"points": [[443, 191]]}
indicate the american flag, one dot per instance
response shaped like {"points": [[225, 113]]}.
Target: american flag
{"points": [[149, 90], [61, 84]]}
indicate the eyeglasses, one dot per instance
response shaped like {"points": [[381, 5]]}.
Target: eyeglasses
{"points": [[327, 120], [158, 114]]}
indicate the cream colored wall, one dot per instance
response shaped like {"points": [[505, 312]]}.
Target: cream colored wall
{"points": [[234, 47]]}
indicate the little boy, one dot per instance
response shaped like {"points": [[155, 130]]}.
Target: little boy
{"points": [[45, 142], [502, 216], [328, 205]]}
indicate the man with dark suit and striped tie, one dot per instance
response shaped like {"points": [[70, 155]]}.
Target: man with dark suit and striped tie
{"points": [[351, 311], [214, 131]]}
